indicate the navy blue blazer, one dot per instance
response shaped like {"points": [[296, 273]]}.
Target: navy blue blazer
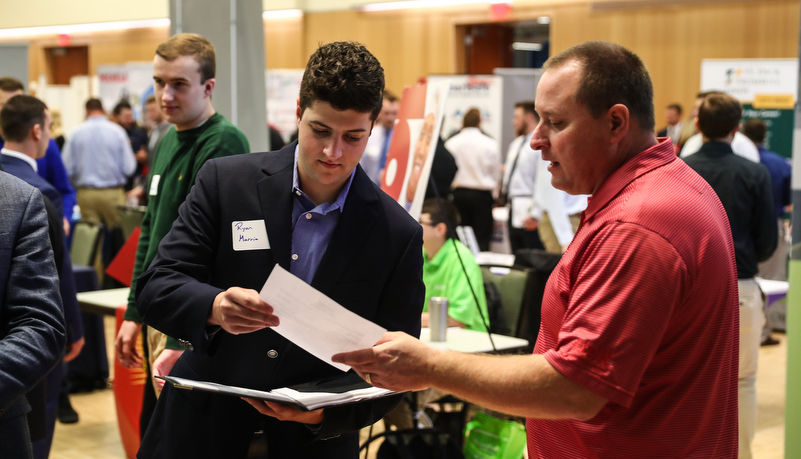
{"points": [[72, 312], [23, 170], [32, 332], [372, 266]]}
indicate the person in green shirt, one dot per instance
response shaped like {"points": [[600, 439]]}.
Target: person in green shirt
{"points": [[444, 274], [183, 74]]}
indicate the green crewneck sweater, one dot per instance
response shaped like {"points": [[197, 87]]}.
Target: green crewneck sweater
{"points": [[179, 157]]}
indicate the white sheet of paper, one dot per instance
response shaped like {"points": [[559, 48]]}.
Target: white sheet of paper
{"points": [[315, 322]]}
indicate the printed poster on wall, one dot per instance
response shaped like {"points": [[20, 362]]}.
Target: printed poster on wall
{"points": [[132, 81], [283, 89], [411, 151], [484, 92], [767, 88]]}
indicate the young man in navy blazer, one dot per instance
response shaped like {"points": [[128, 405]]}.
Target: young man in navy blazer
{"points": [[313, 211]]}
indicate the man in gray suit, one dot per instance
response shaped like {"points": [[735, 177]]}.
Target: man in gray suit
{"points": [[31, 319]]}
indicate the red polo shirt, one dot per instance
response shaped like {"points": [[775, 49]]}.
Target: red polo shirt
{"points": [[643, 311]]}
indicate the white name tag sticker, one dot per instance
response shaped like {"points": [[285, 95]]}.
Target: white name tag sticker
{"points": [[250, 235], [154, 185]]}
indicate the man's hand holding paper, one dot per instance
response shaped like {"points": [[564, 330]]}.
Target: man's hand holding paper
{"points": [[239, 310], [313, 321]]}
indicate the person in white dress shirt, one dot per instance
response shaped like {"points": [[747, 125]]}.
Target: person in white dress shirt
{"points": [[517, 188], [555, 213], [375, 153], [479, 159], [741, 145], [674, 125]]}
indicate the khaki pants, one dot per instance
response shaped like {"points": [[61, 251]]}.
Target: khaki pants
{"points": [[751, 321], [99, 205], [548, 236]]}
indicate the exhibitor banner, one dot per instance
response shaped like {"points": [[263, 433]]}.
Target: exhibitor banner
{"points": [[411, 151], [283, 89], [484, 92], [767, 89], [132, 81]]}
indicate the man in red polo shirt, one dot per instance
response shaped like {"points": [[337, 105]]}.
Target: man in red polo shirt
{"points": [[637, 354]]}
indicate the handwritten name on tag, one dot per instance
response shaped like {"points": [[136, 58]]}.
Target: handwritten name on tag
{"points": [[250, 235]]}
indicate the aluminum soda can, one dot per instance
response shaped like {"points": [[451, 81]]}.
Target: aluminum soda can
{"points": [[438, 317]]}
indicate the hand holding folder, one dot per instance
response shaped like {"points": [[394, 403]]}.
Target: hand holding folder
{"points": [[346, 389]]}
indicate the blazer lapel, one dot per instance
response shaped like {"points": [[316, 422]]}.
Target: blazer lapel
{"points": [[355, 224], [275, 198]]}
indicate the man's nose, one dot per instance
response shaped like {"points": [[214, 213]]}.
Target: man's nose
{"points": [[334, 148], [538, 140]]}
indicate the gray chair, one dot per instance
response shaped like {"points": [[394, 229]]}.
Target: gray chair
{"points": [[511, 284], [130, 219], [86, 238]]}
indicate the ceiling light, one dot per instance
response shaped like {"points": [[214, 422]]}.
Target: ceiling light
{"points": [[403, 5], [79, 28], [521, 46]]}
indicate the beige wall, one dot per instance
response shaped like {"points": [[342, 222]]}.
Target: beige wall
{"points": [[672, 40], [35, 13], [105, 48]]}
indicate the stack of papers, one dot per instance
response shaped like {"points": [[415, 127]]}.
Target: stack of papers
{"points": [[320, 326], [314, 322], [347, 389]]}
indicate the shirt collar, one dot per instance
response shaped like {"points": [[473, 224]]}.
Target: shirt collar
{"points": [[656, 156], [441, 254], [715, 149], [24, 157], [339, 203]]}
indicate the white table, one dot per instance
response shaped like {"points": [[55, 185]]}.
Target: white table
{"points": [[773, 287], [471, 341], [103, 301]]}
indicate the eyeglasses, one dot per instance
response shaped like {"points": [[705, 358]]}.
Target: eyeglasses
{"points": [[428, 223]]}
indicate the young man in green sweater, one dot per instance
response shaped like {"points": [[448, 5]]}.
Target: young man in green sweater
{"points": [[183, 74]]}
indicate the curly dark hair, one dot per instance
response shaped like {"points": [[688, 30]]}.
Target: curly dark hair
{"points": [[345, 75]]}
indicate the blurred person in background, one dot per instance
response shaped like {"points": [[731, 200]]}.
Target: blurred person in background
{"points": [[375, 154], [50, 167], [674, 124], [479, 161]]}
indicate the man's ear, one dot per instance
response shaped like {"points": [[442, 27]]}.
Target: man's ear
{"points": [[209, 87], [442, 229], [36, 132], [619, 119], [298, 111]]}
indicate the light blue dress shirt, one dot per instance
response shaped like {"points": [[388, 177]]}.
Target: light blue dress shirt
{"points": [[312, 227], [98, 154]]}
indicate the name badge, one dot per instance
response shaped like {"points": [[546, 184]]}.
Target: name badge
{"points": [[250, 235], [154, 185]]}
